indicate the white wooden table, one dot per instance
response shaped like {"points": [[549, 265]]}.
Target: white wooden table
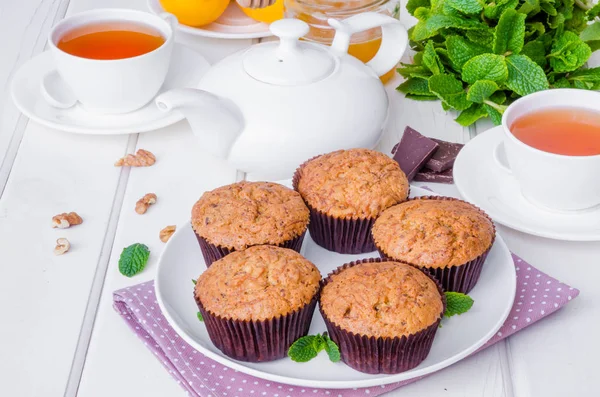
{"points": [[58, 332]]}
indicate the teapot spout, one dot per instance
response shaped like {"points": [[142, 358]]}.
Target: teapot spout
{"points": [[216, 121]]}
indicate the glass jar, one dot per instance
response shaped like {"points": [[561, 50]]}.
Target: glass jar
{"points": [[363, 45]]}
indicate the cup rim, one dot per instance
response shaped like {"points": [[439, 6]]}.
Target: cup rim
{"points": [[99, 11], [553, 91]]}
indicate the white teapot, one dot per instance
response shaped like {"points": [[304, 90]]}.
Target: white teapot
{"points": [[271, 107]]}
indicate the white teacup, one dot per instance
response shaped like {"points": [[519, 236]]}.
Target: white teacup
{"points": [[116, 85], [548, 180]]}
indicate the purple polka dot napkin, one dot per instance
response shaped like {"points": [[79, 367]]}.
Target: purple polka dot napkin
{"points": [[538, 295]]}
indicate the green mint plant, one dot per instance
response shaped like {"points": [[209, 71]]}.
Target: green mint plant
{"points": [[133, 259], [477, 56]]}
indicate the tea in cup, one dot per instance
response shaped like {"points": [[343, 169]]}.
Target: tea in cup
{"points": [[552, 144], [112, 60]]}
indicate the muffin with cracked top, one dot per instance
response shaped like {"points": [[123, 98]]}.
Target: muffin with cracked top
{"points": [[257, 302], [237, 216], [447, 237], [345, 192], [382, 314]]}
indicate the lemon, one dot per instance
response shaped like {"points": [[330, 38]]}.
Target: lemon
{"points": [[195, 12], [268, 14]]}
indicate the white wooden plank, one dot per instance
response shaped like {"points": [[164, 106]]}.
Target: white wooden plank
{"points": [[117, 363], [44, 297], [555, 357], [23, 29]]}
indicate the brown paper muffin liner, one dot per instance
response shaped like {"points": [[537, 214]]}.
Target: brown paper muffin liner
{"points": [[381, 355], [212, 252], [458, 278], [258, 341], [348, 235]]}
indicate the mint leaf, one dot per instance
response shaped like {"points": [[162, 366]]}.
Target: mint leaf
{"points": [[420, 32], [561, 83], [578, 22], [331, 349], [569, 53], [431, 60], [534, 28], [493, 10], [494, 114], [510, 32], [460, 50], [415, 86], [549, 9], [422, 13], [133, 259], [481, 90], [449, 90], [413, 71], [412, 5], [484, 37], [557, 21], [485, 67], [593, 12], [591, 33], [591, 75], [465, 6], [200, 316], [305, 348], [194, 281], [471, 115], [530, 7], [308, 347], [437, 22], [524, 75], [536, 51], [422, 97], [457, 303]]}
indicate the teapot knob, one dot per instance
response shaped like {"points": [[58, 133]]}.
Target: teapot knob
{"points": [[288, 31]]}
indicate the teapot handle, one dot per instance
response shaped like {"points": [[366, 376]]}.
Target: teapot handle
{"points": [[394, 38]]}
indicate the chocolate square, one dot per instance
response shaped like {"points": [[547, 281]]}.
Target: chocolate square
{"points": [[426, 175], [444, 156], [413, 151]]}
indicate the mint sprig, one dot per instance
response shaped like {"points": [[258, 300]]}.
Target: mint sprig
{"points": [[457, 303], [308, 347], [133, 259]]}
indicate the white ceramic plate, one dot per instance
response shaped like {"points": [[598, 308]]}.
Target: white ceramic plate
{"points": [[233, 24], [459, 336], [480, 180], [185, 71]]}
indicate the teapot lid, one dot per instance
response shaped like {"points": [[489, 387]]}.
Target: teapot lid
{"points": [[288, 62]]}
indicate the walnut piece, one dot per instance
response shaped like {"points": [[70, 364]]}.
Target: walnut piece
{"points": [[142, 158], [142, 204], [64, 220], [166, 233], [62, 246]]}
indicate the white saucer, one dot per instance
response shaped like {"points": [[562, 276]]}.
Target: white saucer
{"points": [[187, 67], [458, 337], [233, 24], [480, 180]]}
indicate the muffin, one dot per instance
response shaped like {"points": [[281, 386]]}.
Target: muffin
{"points": [[383, 315], [345, 192], [447, 237], [257, 302], [238, 216]]}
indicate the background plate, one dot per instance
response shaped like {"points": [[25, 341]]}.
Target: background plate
{"points": [[461, 335], [233, 24]]}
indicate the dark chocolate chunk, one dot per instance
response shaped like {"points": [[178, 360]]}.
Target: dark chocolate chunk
{"points": [[426, 175], [444, 156], [413, 152]]}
